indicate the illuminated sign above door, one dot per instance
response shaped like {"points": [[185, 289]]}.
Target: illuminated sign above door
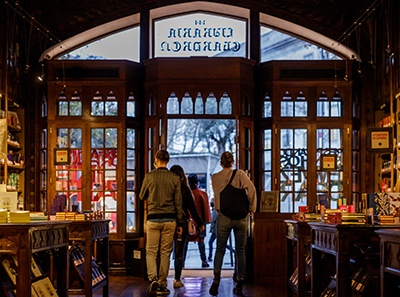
{"points": [[200, 34]]}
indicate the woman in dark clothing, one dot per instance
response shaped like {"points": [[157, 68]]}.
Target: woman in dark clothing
{"points": [[189, 210]]}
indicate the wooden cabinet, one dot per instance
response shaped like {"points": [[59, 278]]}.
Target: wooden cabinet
{"points": [[345, 259], [298, 268], [91, 237], [390, 262], [267, 249], [23, 240]]}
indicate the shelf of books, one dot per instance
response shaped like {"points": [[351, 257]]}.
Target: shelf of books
{"points": [[34, 260]]}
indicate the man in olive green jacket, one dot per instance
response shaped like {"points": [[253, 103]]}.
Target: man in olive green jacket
{"points": [[162, 190]]}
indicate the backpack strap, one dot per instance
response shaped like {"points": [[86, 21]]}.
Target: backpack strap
{"points": [[233, 175]]}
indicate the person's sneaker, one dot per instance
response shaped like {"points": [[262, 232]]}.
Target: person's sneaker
{"points": [[205, 264], [178, 284], [163, 291], [238, 290], [209, 259], [214, 288], [152, 291]]}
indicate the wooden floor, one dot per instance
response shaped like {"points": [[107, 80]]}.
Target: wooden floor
{"points": [[124, 286]]}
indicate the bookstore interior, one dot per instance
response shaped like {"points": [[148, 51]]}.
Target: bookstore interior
{"points": [[305, 94]]}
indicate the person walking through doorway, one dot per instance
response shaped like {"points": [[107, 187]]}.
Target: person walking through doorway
{"points": [[189, 209], [161, 189], [203, 207], [225, 225]]}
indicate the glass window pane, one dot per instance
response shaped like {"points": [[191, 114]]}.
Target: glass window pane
{"points": [[62, 108], [62, 137], [111, 160], [111, 137], [211, 104], [336, 109], [130, 201], [172, 104], [97, 139], [130, 222], [75, 182], [112, 216], [274, 46], [43, 159], [130, 138], [130, 162], [225, 105], [112, 108], [76, 158], [75, 108], [97, 158], [267, 181], [110, 202], [199, 105], [97, 108], [267, 160], [300, 109], [322, 138], [131, 109], [187, 104], [267, 109], [287, 108], [130, 180], [76, 138], [267, 139]]}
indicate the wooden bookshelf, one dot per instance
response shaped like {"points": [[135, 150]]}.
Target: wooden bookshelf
{"points": [[89, 250], [298, 251]]}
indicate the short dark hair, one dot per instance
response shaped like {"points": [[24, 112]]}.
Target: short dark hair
{"points": [[226, 159], [162, 155], [193, 179]]}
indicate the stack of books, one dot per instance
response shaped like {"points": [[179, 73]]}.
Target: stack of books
{"points": [[70, 216], [79, 217], [20, 216], [60, 216], [353, 218], [3, 215], [312, 217], [38, 217], [386, 219]]}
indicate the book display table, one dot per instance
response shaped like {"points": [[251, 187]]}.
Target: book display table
{"points": [[89, 247], [390, 262], [19, 242], [345, 259], [298, 255]]}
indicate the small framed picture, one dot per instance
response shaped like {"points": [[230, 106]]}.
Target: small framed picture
{"points": [[61, 156], [269, 201], [328, 162], [379, 140]]}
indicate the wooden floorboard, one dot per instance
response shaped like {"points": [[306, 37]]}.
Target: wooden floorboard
{"points": [[124, 286]]}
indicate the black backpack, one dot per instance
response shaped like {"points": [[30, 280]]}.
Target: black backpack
{"points": [[234, 202]]}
